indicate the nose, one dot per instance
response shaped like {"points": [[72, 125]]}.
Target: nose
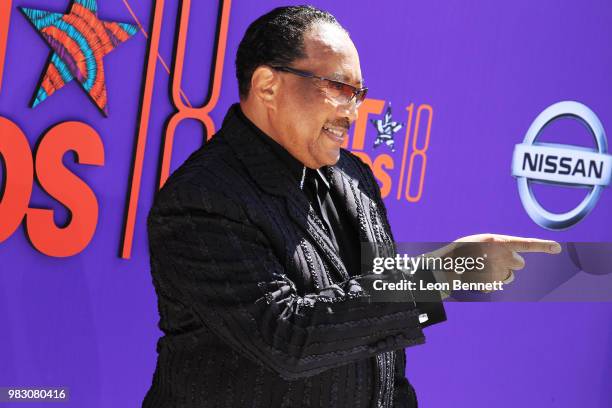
{"points": [[350, 110]]}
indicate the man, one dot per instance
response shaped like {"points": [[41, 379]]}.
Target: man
{"points": [[255, 242]]}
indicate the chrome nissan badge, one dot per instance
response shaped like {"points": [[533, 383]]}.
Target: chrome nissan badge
{"points": [[562, 164]]}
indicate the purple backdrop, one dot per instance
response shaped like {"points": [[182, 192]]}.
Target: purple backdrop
{"points": [[88, 322]]}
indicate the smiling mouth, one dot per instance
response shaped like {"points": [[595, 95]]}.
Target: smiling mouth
{"points": [[335, 133]]}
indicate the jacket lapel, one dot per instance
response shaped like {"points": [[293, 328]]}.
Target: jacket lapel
{"points": [[344, 185], [363, 212]]}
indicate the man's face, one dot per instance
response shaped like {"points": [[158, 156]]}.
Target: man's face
{"points": [[310, 125]]}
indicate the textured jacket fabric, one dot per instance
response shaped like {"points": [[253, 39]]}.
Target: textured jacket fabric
{"points": [[256, 306]]}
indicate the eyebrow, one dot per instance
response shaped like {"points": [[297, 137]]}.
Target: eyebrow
{"points": [[345, 79]]}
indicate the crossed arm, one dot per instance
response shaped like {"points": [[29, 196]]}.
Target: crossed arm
{"points": [[209, 257]]}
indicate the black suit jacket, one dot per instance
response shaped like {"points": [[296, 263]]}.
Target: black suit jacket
{"points": [[249, 285]]}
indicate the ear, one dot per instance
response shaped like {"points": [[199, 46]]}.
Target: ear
{"points": [[265, 84]]}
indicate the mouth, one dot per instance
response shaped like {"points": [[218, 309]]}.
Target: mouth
{"points": [[335, 133]]}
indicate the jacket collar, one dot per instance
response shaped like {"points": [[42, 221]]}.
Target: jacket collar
{"points": [[293, 165], [270, 173]]}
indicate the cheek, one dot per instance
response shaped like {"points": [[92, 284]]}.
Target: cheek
{"points": [[298, 129], [306, 120], [305, 133], [305, 112]]}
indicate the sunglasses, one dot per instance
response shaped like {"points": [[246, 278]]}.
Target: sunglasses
{"points": [[339, 92]]}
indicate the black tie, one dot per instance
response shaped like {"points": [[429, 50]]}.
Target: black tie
{"points": [[316, 190]]}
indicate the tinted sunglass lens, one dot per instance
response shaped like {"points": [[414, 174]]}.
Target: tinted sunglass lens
{"points": [[360, 96], [347, 92]]}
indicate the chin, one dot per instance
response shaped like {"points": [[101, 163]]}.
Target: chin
{"points": [[332, 159], [326, 157]]}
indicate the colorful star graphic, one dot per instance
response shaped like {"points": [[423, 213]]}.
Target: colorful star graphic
{"points": [[386, 129], [79, 41]]}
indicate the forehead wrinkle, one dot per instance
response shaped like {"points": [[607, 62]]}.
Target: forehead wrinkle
{"points": [[323, 49]]}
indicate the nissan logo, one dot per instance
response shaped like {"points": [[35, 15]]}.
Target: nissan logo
{"points": [[561, 164]]}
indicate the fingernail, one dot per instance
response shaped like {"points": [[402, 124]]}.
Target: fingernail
{"points": [[555, 248]]}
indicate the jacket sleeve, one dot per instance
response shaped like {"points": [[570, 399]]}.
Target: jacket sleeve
{"points": [[206, 254], [433, 307]]}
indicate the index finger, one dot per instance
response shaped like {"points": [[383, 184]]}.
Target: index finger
{"points": [[521, 244]]}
